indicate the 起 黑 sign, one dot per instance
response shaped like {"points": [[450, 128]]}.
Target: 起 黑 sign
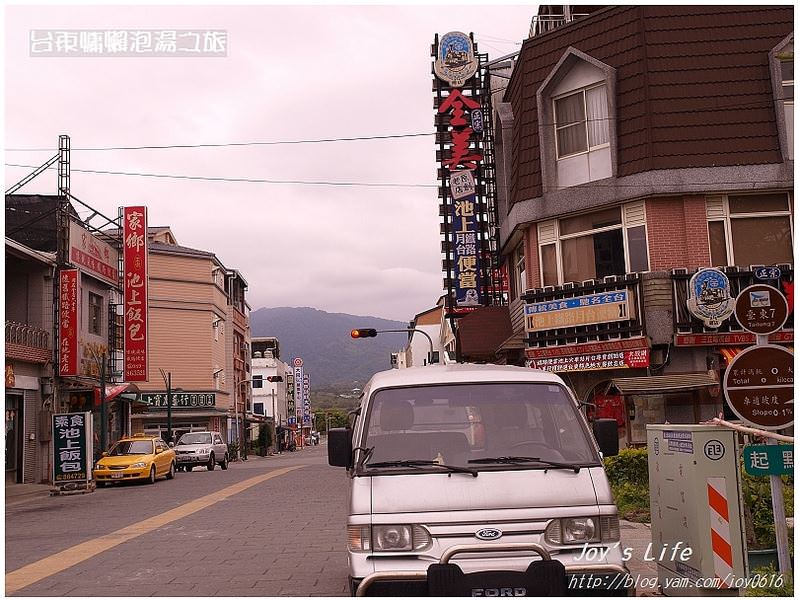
{"points": [[763, 460]]}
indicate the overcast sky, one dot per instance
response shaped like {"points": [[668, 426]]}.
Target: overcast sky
{"points": [[291, 73]]}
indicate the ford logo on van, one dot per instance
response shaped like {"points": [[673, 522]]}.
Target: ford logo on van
{"points": [[488, 534]]}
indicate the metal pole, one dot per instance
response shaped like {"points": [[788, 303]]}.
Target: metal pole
{"points": [[272, 394], [429, 338], [103, 417], [238, 425], [169, 407], [244, 418]]}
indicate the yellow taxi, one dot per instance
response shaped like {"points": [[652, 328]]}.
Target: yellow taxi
{"points": [[140, 457]]}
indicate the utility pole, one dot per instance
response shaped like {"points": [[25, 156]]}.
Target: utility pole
{"points": [[103, 410], [167, 376]]}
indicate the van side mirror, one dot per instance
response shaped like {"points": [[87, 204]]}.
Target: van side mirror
{"points": [[606, 432], [339, 447]]}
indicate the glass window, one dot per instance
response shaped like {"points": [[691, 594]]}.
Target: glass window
{"points": [[520, 272], [593, 256], [639, 254], [95, 314], [590, 221], [761, 240], [132, 448], [549, 265], [581, 121], [786, 68], [758, 203], [718, 243], [195, 438], [258, 382], [456, 423]]}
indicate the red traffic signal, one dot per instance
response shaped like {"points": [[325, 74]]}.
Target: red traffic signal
{"points": [[275, 379], [363, 333]]}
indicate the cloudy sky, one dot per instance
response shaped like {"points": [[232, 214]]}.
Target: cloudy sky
{"points": [[292, 73]]}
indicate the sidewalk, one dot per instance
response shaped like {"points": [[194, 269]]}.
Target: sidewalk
{"points": [[638, 536], [18, 492]]}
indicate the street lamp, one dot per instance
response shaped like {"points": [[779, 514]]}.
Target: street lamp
{"points": [[243, 434], [272, 393]]}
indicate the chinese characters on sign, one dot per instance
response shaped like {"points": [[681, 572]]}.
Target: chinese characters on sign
{"points": [[577, 311], [181, 400], [68, 322], [94, 256], [638, 358], [134, 244], [762, 460], [127, 42], [306, 399], [299, 394], [72, 455], [464, 219]]}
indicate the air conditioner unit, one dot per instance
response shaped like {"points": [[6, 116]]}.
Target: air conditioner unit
{"points": [[269, 354]]}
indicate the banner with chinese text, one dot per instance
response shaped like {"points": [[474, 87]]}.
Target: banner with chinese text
{"points": [[72, 451], [68, 322], [94, 256], [134, 244]]}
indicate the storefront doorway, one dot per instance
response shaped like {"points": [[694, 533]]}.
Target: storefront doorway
{"points": [[14, 422]]}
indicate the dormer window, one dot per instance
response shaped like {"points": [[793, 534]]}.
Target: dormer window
{"points": [[581, 121]]}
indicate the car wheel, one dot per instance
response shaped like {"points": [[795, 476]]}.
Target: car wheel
{"points": [[211, 462], [224, 463], [187, 468], [171, 473], [151, 478]]}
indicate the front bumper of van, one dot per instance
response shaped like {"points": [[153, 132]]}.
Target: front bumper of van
{"points": [[595, 579]]}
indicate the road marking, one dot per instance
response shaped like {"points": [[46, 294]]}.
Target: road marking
{"points": [[46, 567]]}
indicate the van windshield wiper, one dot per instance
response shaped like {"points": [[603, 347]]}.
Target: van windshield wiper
{"points": [[421, 464], [523, 460]]}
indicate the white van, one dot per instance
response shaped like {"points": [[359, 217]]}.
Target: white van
{"points": [[477, 480]]}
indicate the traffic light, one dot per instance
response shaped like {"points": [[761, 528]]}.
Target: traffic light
{"points": [[275, 379], [363, 333]]}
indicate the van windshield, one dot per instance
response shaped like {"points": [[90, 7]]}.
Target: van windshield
{"points": [[458, 423]]}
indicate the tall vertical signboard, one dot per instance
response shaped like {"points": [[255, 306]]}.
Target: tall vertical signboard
{"points": [[72, 448], [306, 399], [134, 244], [459, 126], [299, 374], [68, 322]]}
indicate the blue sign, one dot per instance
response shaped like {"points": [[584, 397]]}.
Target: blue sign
{"points": [[709, 297], [572, 302], [465, 252], [477, 121], [769, 273]]}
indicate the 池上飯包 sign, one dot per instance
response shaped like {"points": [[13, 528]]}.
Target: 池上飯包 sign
{"points": [[134, 244], [68, 322], [459, 126], [72, 452]]}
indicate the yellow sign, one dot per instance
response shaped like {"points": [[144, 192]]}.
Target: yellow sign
{"points": [[578, 311]]}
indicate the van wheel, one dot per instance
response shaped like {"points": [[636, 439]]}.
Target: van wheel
{"points": [[224, 463], [211, 462]]}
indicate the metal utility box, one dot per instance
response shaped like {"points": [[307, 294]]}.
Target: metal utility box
{"points": [[695, 499]]}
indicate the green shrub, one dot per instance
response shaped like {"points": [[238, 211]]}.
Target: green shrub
{"points": [[758, 513], [628, 474], [770, 583], [630, 466]]}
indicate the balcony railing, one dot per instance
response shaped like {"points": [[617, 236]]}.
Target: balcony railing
{"points": [[607, 331], [740, 278], [27, 335]]}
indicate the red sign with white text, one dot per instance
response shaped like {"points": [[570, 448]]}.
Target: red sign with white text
{"points": [[68, 322], [134, 245]]}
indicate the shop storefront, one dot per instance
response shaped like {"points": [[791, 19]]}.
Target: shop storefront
{"points": [[190, 412]]}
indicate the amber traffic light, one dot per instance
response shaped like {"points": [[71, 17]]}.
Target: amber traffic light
{"points": [[363, 333], [275, 379]]}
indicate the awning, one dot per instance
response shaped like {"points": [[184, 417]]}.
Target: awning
{"points": [[111, 391], [643, 385], [515, 341]]}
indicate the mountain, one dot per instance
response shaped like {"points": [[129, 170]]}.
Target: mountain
{"points": [[331, 356]]}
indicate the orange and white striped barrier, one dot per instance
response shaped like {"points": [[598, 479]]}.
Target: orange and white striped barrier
{"points": [[720, 529]]}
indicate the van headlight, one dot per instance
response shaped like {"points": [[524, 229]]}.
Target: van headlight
{"points": [[388, 538], [593, 529]]}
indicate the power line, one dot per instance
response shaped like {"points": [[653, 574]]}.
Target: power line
{"points": [[247, 180], [225, 144]]}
